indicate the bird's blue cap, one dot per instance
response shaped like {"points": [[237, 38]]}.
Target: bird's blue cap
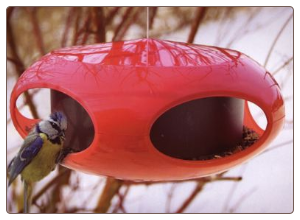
{"points": [[57, 116]]}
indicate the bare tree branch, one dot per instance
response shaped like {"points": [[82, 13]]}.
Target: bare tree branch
{"points": [[152, 12], [200, 13], [98, 24], [111, 188], [122, 23], [170, 197], [276, 39], [128, 24], [19, 65], [36, 29], [120, 205], [67, 26], [242, 199], [192, 196], [112, 15], [282, 66], [277, 146]]}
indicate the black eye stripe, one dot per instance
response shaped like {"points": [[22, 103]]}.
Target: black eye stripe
{"points": [[55, 126]]}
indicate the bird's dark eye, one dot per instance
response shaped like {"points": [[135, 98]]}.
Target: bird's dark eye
{"points": [[55, 126]]}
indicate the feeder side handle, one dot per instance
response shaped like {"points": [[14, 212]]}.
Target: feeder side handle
{"points": [[21, 123], [249, 121]]}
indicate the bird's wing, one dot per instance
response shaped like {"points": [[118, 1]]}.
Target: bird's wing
{"points": [[27, 141], [30, 148]]}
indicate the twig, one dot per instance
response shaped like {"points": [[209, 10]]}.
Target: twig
{"points": [[120, 205], [223, 25], [238, 178], [283, 82], [92, 192], [76, 25], [277, 146], [29, 102], [200, 13], [169, 198], [85, 29], [124, 19], [14, 61], [12, 44], [243, 30], [276, 39], [36, 29], [233, 189], [218, 177], [282, 66], [98, 24], [67, 26], [152, 11], [200, 185], [27, 197], [156, 33], [20, 68], [79, 210], [127, 25], [55, 198], [242, 199], [54, 181], [192, 196], [112, 14], [111, 188]]}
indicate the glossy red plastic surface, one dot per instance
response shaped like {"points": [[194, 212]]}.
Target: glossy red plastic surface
{"points": [[126, 86]]}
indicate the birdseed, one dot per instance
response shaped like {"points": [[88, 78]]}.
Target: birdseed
{"points": [[249, 138]]}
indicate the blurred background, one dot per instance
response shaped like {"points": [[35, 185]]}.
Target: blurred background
{"points": [[262, 185]]}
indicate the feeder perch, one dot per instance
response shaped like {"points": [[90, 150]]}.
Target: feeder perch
{"points": [[144, 109]]}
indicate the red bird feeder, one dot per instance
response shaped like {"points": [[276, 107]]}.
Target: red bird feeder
{"points": [[147, 110]]}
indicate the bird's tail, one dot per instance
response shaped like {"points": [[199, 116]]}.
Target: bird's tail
{"points": [[10, 174]]}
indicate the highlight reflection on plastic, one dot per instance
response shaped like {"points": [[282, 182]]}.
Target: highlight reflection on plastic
{"points": [[126, 86]]}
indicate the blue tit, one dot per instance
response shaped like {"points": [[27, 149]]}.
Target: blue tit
{"points": [[41, 151]]}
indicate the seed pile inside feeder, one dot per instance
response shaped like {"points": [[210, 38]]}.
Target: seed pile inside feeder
{"points": [[249, 138]]}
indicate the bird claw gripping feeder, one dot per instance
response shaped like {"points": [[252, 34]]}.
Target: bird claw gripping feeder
{"points": [[147, 110]]}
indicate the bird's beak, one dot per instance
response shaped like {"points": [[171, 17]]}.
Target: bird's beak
{"points": [[63, 135]]}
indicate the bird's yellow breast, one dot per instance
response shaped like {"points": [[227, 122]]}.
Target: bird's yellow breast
{"points": [[43, 163]]}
